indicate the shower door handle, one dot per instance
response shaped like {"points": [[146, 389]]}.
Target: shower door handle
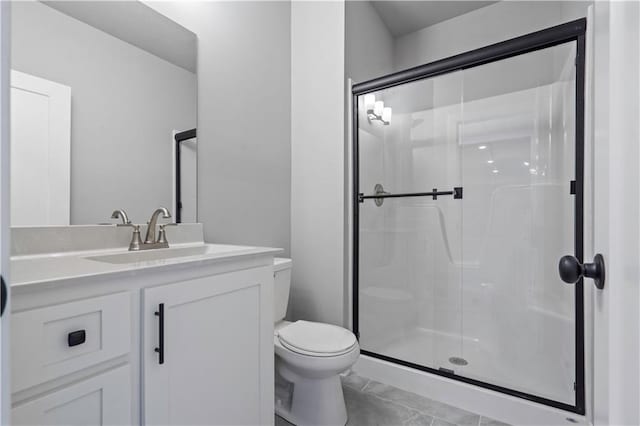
{"points": [[571, 270]]}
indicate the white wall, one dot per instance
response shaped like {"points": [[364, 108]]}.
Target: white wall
{"points": [[368, 43], [244, 140], [123, 110], [317, 160], [491, 24]]}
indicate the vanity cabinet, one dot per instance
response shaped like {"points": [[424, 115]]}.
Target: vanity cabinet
{"points": [[104, 399], [155, 342], [208, 350], [70, 362]]}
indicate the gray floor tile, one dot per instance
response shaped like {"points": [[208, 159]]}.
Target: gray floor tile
{"points": [[427, 406], [354, 381], [366, 409], [370, 403], [486, 421], [282, 422], [419, 420], [440, 422]]}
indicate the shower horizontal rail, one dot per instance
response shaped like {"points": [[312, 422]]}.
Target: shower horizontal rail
{"points": [[457, 194]]}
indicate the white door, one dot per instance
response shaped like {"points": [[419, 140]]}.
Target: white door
{"points": [[104, 399], [208, 351], [5, 384], [40, 151], [616, 204]]}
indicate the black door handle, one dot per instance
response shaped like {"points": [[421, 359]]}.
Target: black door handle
{"points": [[571, 270], [3, 296], [160, 349]]}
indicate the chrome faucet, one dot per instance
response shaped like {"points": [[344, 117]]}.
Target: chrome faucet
{"points": [[120, 213], [151, 228], [150, 241]]}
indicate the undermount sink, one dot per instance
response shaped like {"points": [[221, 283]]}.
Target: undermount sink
{"points": [[166, 254]]}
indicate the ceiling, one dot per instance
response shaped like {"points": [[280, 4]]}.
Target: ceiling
{"points": [[404, 17], [137, 24]]}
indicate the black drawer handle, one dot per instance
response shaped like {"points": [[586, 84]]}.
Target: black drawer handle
{"points": [[76, 338], [160, 349]]}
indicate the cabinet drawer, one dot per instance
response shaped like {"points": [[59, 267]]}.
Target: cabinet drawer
{"points": [[104, 399], [48, 343]]}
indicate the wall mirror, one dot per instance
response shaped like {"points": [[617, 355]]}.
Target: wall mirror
{"points": [[103, 113]]}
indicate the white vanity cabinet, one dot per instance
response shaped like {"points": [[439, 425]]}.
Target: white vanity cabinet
{"points": [[208, 350], [104, 399], [69, 362], [86, 349]]}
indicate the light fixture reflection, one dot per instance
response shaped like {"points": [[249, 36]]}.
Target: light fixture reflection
{"points": [[386, 115], [369, 100], [376, 111], [378, 106], [482, 147]]}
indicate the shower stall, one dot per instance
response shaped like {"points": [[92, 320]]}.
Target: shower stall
{"points": [[468, 189]]}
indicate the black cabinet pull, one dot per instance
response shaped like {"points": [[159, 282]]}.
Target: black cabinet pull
{"points": [[160, 349], [76, 338]]}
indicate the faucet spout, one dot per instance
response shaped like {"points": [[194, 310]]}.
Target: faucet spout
{"points": [[151, 228], [121, 214]]}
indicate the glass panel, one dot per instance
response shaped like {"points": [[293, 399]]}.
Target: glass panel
{"points": [[410, 248], [472, 285], [518, 158]]}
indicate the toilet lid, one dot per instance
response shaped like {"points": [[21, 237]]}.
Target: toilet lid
{"points": [[316, 339]]}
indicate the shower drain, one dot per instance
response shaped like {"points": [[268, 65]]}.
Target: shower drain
{"points": [[458, 361]]}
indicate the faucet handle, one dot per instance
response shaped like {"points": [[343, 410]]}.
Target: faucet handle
{"points": [[162, 235], [136, 241]]}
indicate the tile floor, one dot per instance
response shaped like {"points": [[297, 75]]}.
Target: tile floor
{"points": [[370, 403]]}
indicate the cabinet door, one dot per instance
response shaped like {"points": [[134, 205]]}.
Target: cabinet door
{"points": [[217, 350], [104, 399]]}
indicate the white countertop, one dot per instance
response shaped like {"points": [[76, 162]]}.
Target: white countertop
{"points": [[28, 270]]}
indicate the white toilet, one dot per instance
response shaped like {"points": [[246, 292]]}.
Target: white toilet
{"points": [[309, 359]]}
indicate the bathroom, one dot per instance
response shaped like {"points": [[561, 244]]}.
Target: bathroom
{"points": [[320, 212]]}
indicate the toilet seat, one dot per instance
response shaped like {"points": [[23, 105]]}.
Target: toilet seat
{"points": [[316, 339]]}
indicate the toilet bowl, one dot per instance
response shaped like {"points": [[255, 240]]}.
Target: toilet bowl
{"points": [[309, 359]]}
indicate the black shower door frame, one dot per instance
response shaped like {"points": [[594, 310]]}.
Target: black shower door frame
{"points": [[574, 31]]}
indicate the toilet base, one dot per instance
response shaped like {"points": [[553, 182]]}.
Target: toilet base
{"points": [[315, 402]]}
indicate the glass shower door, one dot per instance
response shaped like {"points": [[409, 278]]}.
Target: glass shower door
{"points": [[517, 141], [410, 243], [467, 200]]}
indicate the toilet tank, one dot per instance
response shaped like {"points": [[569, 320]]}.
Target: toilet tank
{"points": [[282, 285]]}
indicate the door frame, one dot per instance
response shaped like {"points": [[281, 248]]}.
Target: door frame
{"points": [[178, 138], [5, 212], [616, 209], [574, 31]]}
